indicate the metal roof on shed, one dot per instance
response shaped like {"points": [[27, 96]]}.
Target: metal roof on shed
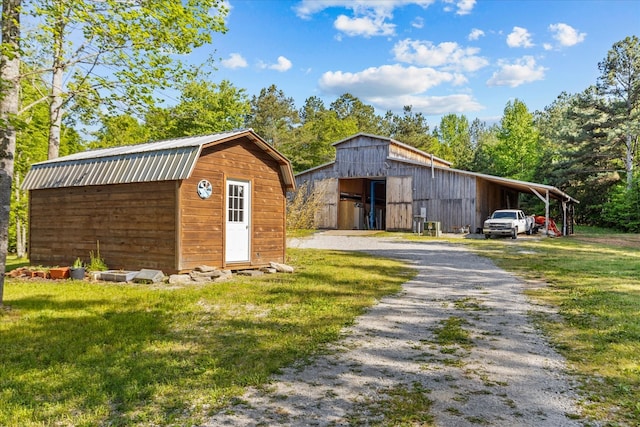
{"points": [[155, 161]]}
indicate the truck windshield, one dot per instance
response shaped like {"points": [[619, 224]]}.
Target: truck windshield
{"points": [[498, 215]]}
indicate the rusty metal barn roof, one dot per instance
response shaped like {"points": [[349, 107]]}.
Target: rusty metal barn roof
{"points": [[155, 161]]}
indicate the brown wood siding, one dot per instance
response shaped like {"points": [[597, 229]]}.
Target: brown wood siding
{"points": [[399, 203], [399, 152], [203, 221], [360, 162], [327, 216], [134, 223], [448, 196]]}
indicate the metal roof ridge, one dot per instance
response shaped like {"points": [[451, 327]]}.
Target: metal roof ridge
{"points": [[161, 145]]}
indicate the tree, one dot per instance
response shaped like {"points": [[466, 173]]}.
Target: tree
{"points": [[31, 147], [619, 83], [587, 163], [207, 107], [273, 116], [484, 138], [119, 130], [516, 154], [622, 209], [349, 106], [114, 54], [10, 51], [311, 108], [412, 129], [312, 144], [455, 140]]}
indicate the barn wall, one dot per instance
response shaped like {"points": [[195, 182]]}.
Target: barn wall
{"points": [[399, 203], [361, 157], [448, 195], [203, 221], [134, 223]]}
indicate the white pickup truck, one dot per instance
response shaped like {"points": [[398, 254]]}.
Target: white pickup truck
{"points": [[508, 222]]}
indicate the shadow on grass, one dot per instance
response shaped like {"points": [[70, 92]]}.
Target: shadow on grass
{"points": [[95, 354]]}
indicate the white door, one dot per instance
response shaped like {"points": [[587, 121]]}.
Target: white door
{"points": [[238, 224]]}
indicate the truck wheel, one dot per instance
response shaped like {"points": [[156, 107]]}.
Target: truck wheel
{"points": [[486, 236], [514, 233]]}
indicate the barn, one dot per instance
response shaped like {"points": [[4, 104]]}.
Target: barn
{"points": [[379, 183], [217, 200]]}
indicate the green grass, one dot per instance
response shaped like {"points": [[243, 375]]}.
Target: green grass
{"points": [[14, 262], [594, 281], [397, 406], [450, 332], [82, 354]]}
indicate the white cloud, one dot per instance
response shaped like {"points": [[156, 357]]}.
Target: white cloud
{"points": [[282, 65], [418, 22], [306, 8], [391, 87], [457, 103], [372, 18], [365, 26], [475, 34], [519, 37], [566, 35], [448, 55], [387, 80], [523, 70], [464, 6], [234, 61]]}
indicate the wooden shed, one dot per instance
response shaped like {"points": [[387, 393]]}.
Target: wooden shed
{"points": [[217, 200], [379, 183]]}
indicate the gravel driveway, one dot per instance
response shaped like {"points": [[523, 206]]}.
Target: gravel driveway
{"points": [[507, 376]]}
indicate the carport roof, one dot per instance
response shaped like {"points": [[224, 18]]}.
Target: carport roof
{"points": [[524, 186], [155, 161]]}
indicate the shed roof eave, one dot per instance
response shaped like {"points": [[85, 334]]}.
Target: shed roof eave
{"points": [[315, 168]]}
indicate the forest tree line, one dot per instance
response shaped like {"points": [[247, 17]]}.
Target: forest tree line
{"points": [[584, 144]]}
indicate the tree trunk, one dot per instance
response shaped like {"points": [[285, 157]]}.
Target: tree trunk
{"points": [[55, 112], [20, 235], [9, 104], [629, 160]]}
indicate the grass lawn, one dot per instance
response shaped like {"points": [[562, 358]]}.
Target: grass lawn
{"points": [[594, 281], [76, 353]]}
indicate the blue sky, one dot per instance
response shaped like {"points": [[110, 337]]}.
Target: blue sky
{"points": [[440, 56]]}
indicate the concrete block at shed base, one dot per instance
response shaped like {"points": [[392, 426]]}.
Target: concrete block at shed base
{"points": [[149, 276], [117, 275], [179, 279], [281, 268]]}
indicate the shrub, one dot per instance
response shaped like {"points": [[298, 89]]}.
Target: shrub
{"points": [[303, 206]]}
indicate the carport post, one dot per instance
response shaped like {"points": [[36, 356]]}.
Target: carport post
{"points": [[546, 205], [546, 212]]}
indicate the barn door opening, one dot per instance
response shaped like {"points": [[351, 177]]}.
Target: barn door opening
{"points": [[238, 208], [362, 204]]}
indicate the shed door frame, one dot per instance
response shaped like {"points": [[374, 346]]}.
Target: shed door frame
{"points": [[237, 221]]}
